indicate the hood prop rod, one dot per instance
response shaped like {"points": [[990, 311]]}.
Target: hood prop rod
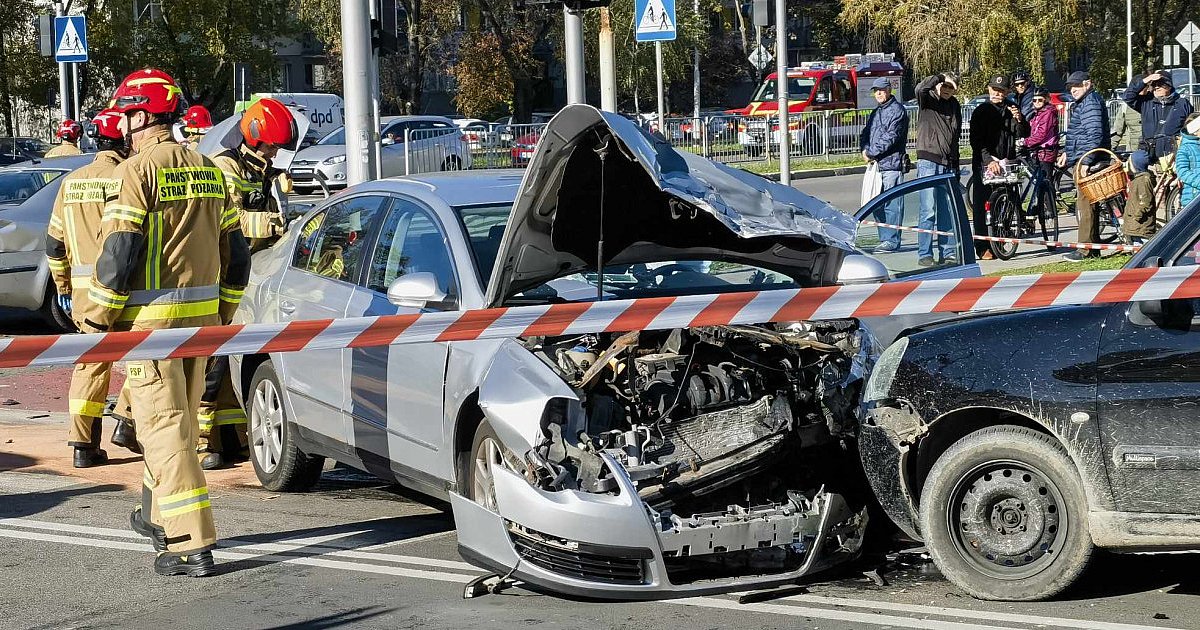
{"points": [[601, 151]]}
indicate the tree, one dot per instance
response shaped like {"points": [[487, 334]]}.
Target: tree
{"points": [[24, 74], [512, 35], [990, 36]]}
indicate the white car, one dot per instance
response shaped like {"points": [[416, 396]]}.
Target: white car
{"points": [[436, 142], [479, 134]]}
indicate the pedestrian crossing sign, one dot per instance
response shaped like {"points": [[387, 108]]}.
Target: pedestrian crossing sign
{"points": [[70, 39], [654, 20]]}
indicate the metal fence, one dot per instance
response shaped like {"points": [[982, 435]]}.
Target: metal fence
{"points": [[725, 138]]}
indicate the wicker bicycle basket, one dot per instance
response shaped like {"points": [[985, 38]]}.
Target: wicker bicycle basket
{"points": [[1103, 184]]}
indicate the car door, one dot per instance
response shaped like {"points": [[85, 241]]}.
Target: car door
{"points": [[397, 392], [1148, 400], [940, 198], [318, 285], [392, 155]]}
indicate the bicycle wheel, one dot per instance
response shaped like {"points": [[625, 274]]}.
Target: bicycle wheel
{"points": [[1171, 207], [1110, 219], [1048, 216], [1003, 209]]}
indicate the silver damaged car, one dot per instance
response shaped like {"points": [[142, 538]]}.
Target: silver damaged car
{"points": [[633, 466]]}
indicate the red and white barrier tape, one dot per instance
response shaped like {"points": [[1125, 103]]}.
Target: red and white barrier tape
{"points": [[874, 300], [1000, 239]]}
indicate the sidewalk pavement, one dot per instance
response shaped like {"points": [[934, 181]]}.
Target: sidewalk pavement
{"points": [[35, 441]]}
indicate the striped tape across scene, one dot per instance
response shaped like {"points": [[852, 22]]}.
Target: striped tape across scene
{"points": [[756, 307]]}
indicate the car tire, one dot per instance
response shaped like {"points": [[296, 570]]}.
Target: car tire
{"points": [[278, 463], [1004, 515], [53, 313], [303, 190], [452, 163], [486, 453]]}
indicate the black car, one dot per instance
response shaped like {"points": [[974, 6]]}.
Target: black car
{"points": [[1015, 443]]}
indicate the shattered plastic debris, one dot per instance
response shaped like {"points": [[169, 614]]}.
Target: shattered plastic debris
{"points": [[9, 402]]}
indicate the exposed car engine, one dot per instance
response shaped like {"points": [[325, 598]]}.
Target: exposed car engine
{"points": [[708, 423]]}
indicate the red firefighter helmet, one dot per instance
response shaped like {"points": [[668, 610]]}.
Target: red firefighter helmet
{"points": [[105, 125], [68, 130], [267, 121], [150, 90], [197, 119]]}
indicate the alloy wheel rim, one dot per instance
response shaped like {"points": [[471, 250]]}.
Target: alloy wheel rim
{"points": [[486, 459], [266, 426]]}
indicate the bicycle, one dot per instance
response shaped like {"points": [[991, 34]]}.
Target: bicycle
{"points": [[1109, 216], [1167, 185], [1013, 212]]}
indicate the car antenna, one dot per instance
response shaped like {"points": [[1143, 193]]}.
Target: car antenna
{"points": [[601, 151]]}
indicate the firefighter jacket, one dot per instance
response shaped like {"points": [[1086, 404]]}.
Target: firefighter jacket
{"points": [[72, 239], [250, 193], [172, 254], [63, 150]]}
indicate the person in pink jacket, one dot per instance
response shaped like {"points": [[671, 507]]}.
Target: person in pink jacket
{"points": [[1043, 135]]}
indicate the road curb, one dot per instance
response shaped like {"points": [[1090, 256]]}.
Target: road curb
{"points": [[822, 172]]}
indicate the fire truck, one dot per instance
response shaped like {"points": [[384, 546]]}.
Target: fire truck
{"points": [[841, 84]]}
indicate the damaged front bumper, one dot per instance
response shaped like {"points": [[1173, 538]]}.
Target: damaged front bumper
{"points": [[617, 547]]}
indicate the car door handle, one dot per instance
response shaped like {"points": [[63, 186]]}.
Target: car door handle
{"points": [[286, 307]]}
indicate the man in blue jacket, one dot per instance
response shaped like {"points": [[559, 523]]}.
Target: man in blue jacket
{"points": [[1088, 129], [1163, 112], [883, 141]]}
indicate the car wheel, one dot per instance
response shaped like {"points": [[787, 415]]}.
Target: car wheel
{"points": [[1004, 515], [279, 464], [303, 190], [452, 163], [487, 454], [53, 313]]}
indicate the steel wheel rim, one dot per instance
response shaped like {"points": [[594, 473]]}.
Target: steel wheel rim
{"points": [[486, 459], [1017, 498], [266, 426]]}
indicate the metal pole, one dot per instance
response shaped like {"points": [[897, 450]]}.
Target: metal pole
{"points": [[696, 73], [781, 91], [376, 147], [662, 115], [1191, 68], [573, 43], [64, 90], [1128, 41], [75, 106], [356, 81], [608, 69]]}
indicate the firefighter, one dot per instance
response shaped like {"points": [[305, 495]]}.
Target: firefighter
{"points": [[196, 122], [68, 132], [71, 248], [171, 256], [266, 126]]}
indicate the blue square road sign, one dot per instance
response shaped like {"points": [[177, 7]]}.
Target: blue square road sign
{"points": [[70, 39], [654, 20]]}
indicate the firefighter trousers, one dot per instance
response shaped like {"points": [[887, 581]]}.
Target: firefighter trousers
{"points": [[165, 395], [222, 421], [87, 395]]}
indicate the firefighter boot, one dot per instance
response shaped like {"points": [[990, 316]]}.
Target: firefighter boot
{"points": [[125, 435], [92, 454], [197, 564], [156, 534], [211, 460]]}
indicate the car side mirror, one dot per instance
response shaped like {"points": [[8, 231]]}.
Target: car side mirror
{"points": [[862, 269], [387, 141], [1166, 313], [415, 290]]}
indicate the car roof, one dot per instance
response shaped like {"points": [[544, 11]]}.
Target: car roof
{"points": [[455, 188], [391, 119]]}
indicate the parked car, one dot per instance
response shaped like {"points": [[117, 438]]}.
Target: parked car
{"points": [[27, 193], [479, 134], [437, 144], [1013, 459], [14, 150], [576, 462], [507, 130]]}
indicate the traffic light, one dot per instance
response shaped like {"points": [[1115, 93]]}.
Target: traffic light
{"points": [[382, 40]]}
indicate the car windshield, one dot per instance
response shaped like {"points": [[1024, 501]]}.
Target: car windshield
{"points": [[799, 88], [484, 225], [337, 136], [20, 185], [23, 146], [661, 278]]}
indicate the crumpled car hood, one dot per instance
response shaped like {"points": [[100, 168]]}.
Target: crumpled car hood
{"points": [[656, 204]]}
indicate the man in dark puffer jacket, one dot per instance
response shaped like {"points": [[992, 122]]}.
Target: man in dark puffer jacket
{"points": [[884, 140], [1088, 129]]}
